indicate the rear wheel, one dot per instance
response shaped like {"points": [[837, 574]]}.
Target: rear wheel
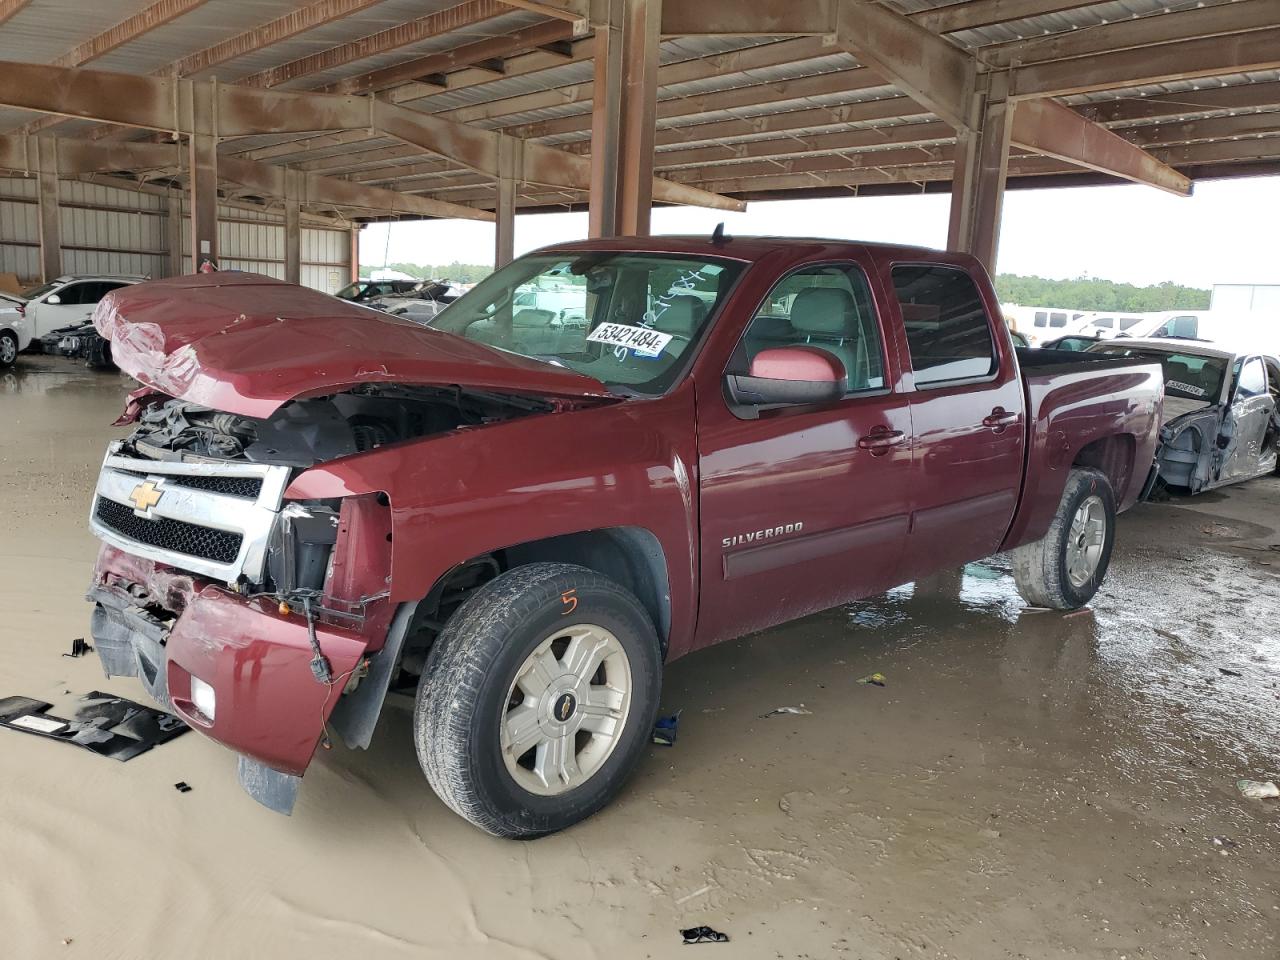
{"points": [[1064, 569], [538, 699], [8, 348]]}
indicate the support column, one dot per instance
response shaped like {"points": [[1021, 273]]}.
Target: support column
{"points": [[355, 255], [982, 162], [292, 227], [624, 106], [202, 168], [50, 215], [173, 231], [505, 211]]}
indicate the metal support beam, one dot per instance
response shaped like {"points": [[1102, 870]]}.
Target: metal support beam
{"points": [[938, 74], [202, 183], [1055, 130], [1222, 19], [622, 125], [173, 233], [355, 254], [292, 227], [458, 17], [981, 165], [164, 105], [50, 215], [509, 164], [440, 64], [1257, 50], [928, 69], [747, 18]]}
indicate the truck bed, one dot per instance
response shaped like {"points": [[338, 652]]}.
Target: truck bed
{"points": [[1073, 400]]}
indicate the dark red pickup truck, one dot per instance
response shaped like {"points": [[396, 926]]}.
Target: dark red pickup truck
{"points": [[605, 456]]}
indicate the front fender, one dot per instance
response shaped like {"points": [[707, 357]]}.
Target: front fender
{"points": [[477, 491]]}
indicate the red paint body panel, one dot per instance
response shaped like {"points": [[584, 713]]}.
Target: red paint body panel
{"points": [[247, 344], [269, 706], [758, 520], [474, 491], [1072, 409]]}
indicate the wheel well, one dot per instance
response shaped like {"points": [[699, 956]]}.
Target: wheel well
{"points": [[1112, 455], [630, 556]]}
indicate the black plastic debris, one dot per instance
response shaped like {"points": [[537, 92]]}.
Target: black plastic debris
{"points": [[109, 726], [79, 648], [704, 935], [1227, 672], [182, 786], [665, 730]]}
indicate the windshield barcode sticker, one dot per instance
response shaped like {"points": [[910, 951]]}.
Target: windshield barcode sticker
{"points": [[1186, 388], [643, 341]]}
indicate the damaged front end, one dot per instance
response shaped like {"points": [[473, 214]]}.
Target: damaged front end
{"points": [[250, 614]]}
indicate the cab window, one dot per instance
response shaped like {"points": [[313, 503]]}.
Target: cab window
{"points": [[948, 331], [1252, 379], [826, 306]]}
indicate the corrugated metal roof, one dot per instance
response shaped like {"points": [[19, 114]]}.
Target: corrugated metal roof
{"points": [[47, 29]]}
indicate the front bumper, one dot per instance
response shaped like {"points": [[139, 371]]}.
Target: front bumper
{"points": [[269, 706]]}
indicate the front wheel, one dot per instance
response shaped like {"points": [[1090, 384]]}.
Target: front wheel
{"points": [[1064, 569], [8, 348], [538, 699]]}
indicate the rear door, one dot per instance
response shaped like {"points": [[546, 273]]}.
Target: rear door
{"points": [[966, 418], [804, 507]]}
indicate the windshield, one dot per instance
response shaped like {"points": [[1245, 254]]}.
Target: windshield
{"points": [[41, 290], [352, 291], [1185, 374], [631, 320]]}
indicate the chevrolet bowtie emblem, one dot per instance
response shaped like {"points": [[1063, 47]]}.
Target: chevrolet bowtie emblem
{"points": [[145, 496]]}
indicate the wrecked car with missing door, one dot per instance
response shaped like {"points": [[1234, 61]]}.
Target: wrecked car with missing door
{"points": [[523, 521], [1221, 409]]}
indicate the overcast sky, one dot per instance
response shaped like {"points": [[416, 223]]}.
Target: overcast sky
{"points": [[1228, 232]]}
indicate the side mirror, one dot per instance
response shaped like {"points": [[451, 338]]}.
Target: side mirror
{"points": [[53, 298], [789, 375]]}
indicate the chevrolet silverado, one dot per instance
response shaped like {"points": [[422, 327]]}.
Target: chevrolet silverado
{"points": [[524, 520]]}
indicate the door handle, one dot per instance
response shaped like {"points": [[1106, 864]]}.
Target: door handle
{"points": [[999, 418], [880, 440]]}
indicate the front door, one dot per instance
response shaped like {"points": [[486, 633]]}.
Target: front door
{"points": [[804, 507], [1249, 415], [966, 419]]}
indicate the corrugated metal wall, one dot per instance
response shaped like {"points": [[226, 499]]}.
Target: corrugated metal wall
{"points": [[106, 230]]}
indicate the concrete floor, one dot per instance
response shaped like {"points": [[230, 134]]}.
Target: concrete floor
{"points": [[1026, 785]]}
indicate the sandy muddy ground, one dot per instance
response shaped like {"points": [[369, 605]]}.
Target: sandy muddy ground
{"points": [[1026, 785]]}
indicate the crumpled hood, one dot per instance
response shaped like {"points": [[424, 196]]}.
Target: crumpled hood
{"points": [[248, 344]]}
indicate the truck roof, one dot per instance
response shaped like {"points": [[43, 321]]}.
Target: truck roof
{"points": [[749, 248]]}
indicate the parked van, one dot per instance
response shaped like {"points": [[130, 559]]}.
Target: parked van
{"points": [[1039, 324]]}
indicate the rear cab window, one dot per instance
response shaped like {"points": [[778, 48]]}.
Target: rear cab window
{"points": [[948, 331]]}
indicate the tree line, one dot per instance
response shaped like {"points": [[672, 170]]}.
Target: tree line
{"points": [[457, 272], [1091, 293]]}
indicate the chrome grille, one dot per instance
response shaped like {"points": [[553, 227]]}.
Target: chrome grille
{"points": [[189, 539], [213, 519], [247, 487]]}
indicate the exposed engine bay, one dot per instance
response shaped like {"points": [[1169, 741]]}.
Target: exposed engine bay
{"points": [[305, 432]]}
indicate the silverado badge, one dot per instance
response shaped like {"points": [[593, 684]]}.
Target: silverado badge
{"points": [[145, 496]]}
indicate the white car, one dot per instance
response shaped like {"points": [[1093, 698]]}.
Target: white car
{"points": [[65, 302], [14, 334]]}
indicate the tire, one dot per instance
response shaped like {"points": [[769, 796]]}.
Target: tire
{"points": [[8, 348], [1049, 572], [99, 356], [469, 699]]}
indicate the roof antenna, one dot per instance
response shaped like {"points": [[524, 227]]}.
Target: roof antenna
{"points": [[718, 239]]}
